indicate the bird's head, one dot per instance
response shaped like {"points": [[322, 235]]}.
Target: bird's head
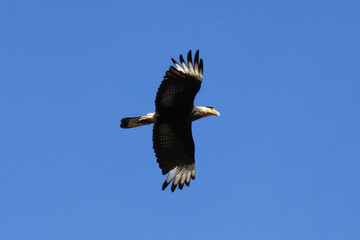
{"points": [[200, 112]]}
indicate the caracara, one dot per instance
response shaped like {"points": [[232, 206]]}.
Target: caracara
{"points": [[174, 111]]}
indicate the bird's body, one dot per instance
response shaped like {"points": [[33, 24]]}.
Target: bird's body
{"points": [[174, 112]]}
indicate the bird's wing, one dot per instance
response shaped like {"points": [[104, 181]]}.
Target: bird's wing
{"points": [[180, 85], [174, 150], [172, 138]]}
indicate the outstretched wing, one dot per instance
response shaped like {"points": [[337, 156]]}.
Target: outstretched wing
{"points": [[174, 150], [172, 138], [180, 85]]}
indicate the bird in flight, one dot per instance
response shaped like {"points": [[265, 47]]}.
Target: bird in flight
{"points": [[174, 112]]}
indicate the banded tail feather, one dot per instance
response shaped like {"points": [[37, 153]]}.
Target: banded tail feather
{"points": [[131, 122]]}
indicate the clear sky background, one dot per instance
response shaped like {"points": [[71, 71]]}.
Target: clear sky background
{"points": [[282, 161]]}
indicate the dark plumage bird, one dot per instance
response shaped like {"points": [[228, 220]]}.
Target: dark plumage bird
{"points": [[174, 112]]}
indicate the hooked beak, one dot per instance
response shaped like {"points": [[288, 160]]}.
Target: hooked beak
{"points": [[214, 112]]}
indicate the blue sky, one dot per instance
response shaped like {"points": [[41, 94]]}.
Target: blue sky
{"points": [[282, 161]]}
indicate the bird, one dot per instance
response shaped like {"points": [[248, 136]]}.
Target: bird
{"points": [[173, 143]]}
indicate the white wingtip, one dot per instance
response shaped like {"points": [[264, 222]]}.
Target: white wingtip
{"points": [[180, 175], [193, 68]]}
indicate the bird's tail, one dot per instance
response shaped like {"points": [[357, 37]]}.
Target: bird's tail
{"points": [[132, 122]]}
